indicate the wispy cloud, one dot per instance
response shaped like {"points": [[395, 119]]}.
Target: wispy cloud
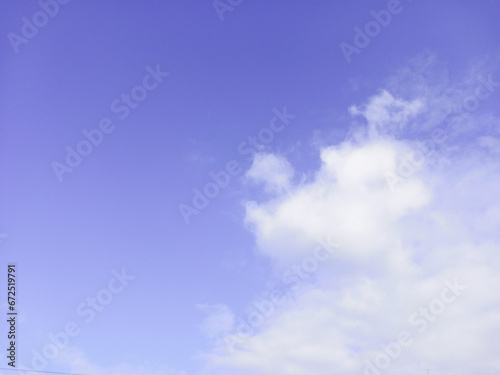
{"points": [[274, 172]]}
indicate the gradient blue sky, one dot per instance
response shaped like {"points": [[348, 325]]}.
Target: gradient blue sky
{"points": [[120, 207]]}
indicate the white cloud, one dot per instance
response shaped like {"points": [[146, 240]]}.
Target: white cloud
{"points": [[397, 249], [385, 114], [274, 172], [349, 195]]}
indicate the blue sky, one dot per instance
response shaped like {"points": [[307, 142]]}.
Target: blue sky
{"points": [[375, 170]]}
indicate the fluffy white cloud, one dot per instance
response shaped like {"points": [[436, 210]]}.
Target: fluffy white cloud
{"points": [[417, 264], [348, 196]]}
